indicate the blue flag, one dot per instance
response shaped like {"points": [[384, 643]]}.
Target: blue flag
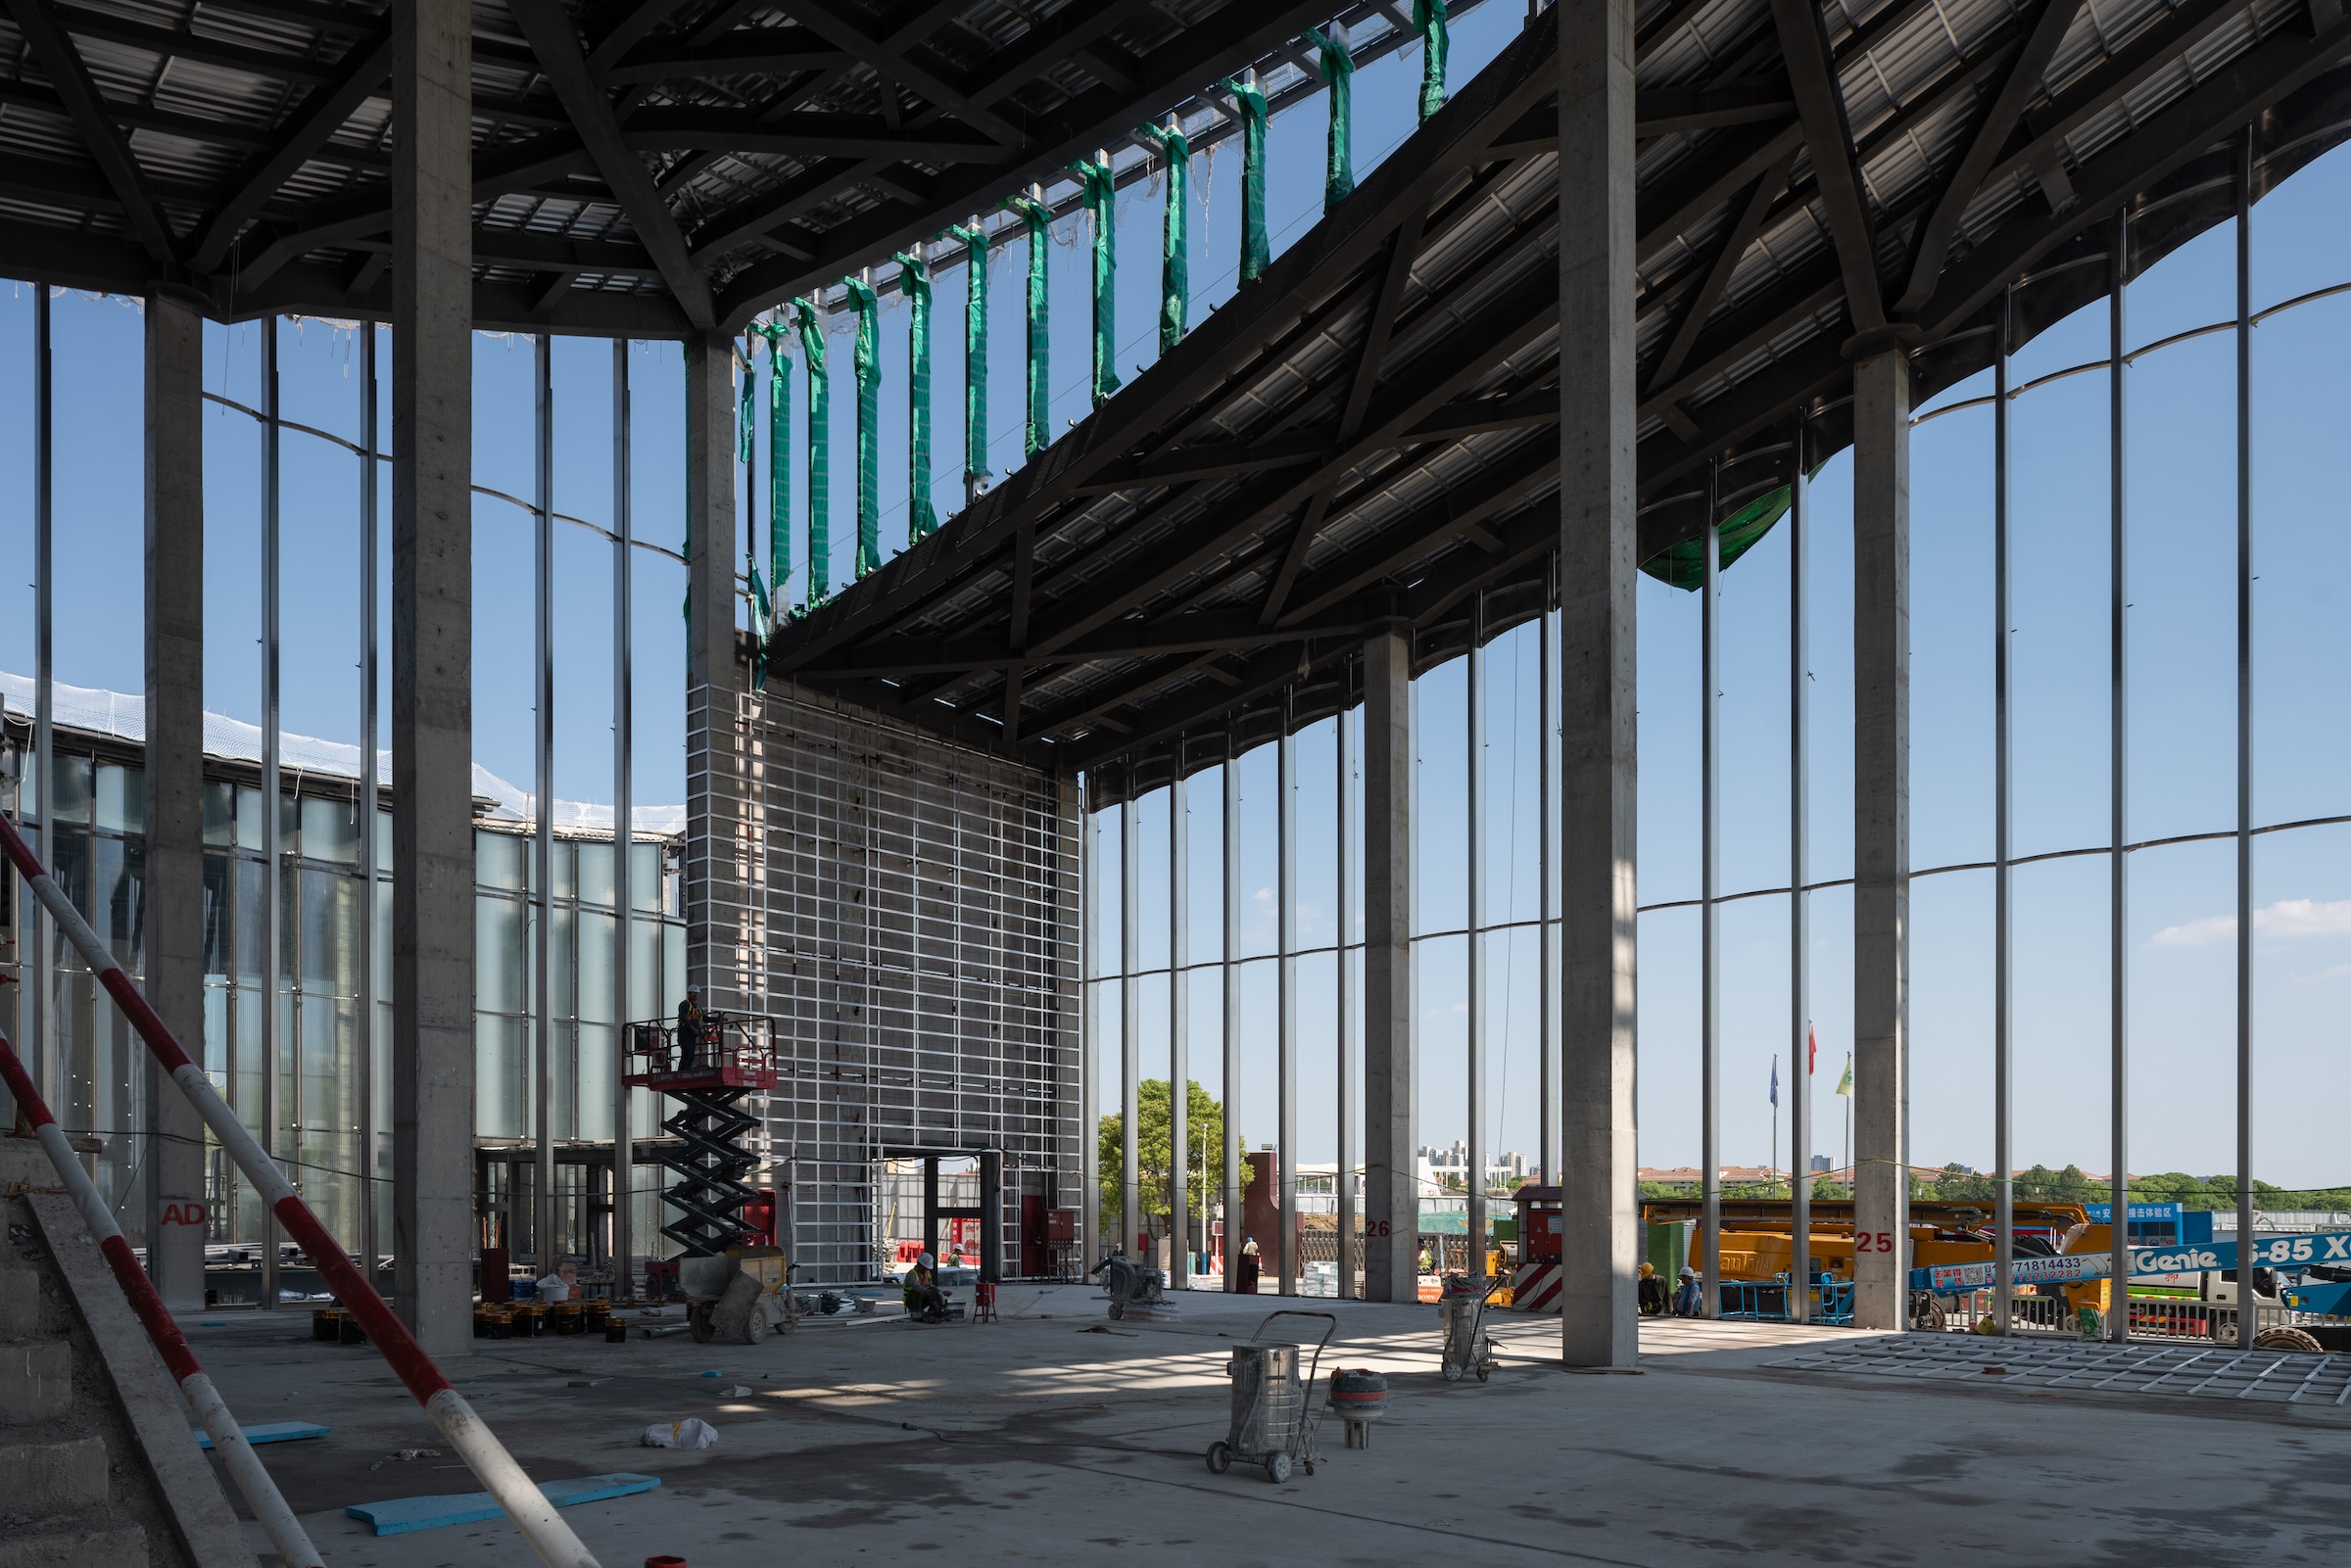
{"points": [[1775, 1081]]}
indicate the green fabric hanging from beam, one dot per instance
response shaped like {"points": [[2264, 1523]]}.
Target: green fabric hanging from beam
{"points": [[1338, 73], [1101, 193], [1684, 565], [746, 446], [820, 450], [867, 357], [1040, 222], [1428, 20], [779, 461], [915, 283], [975, 357], [1256, 253], [1174, 266]]}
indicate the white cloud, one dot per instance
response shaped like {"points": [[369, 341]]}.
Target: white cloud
{"points": [[2196, 933], [2305, 917], [2288, 917]]}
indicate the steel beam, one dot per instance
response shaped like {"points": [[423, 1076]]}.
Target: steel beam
{"points": [[624, 797], [275, 1106], [1130, 998], [2003, 844], [2246, 1318], [2118, 761], [370, 1043], [1473, 823], [1179, 1058], [1230, 973], [1800, 1039], [1285, 1041], [1350, 1244], [1391, 1196], [1709, 907], [543, 812], [1089, 1142]]}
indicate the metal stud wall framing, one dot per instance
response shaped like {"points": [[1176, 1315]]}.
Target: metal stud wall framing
{"points": [[908, 910]]}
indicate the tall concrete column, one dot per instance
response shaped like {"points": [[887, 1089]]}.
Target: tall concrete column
{"points": [[174, 889], [1598, 473], [713, 679], [432, 671], [1391, 1195], [1881, 835]]}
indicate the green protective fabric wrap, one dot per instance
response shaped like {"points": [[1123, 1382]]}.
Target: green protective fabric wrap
{"points": [[1039, 224], [1101, 193], [975, 353], [915, 283], [1338, 73], [762, 613], [820, 453], [1684, 565], [868, 360], [779, 459], [1428, 20], [1174, 266], [1256, 253], [747, 425]]}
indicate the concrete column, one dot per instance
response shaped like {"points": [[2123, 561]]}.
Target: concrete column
{"points": [[432, 671], [1391, 1199], [1598, 473], [175, 916], [713, 679], [1880, 834]]}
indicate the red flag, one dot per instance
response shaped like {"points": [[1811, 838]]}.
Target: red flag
{"points": [[1812, 1045]]}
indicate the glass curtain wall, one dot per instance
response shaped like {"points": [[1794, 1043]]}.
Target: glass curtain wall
{"points": [[100, 854]]}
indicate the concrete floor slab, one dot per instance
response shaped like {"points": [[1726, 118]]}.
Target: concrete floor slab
{"points": [[1057, 1435]]}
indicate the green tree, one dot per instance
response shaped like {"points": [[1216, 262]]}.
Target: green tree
{"points": [[1204, 1118]]}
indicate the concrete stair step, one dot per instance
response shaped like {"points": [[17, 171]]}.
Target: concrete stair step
{"points": [[36, 1381], [95, 1539], [20, 1302], [51, 1472]]}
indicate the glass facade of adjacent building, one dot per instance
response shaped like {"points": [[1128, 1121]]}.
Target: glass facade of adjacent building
{"points": [[98, 857]]}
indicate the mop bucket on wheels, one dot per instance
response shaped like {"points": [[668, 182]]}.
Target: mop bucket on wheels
{"points": [[1462, 1309], [1270, 1424]]}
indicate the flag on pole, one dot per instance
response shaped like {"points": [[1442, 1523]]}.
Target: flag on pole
{"points": [[1775, 1079], [1811, 1049], [1844, 1082]]}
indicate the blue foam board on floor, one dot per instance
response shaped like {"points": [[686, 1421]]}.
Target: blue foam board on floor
{"points": [[398, 1516], [273, 1432]]}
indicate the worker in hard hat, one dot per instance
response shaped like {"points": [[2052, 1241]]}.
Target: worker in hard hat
{"points": [[925, 1302], [692, 1023], [1687, 1302], [1652, 1297]]}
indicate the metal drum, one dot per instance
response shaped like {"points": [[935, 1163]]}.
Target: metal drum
{"points": [[1267, 1401]]}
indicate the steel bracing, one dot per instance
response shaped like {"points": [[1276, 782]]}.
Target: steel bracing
{"points": [[1365, 437], [646, 168]]}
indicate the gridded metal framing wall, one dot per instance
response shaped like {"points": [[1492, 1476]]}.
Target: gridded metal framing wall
{"points": [[907, 909]]}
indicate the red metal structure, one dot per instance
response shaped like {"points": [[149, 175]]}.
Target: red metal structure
{"points": [[708, 1066]]}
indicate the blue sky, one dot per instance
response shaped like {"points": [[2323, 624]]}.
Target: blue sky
{"points": [[2182, 713]]}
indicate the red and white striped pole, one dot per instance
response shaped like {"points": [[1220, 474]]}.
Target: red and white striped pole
{"points": [[245, 1467], [492, 1465]]}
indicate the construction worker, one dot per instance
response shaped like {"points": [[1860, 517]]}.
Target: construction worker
{"points": [[920, 1291], [692, 1023], [1687, 1303], [1652, 1292]]}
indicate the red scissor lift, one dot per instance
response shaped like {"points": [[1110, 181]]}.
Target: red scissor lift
{"points": [[707, 1068]]}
